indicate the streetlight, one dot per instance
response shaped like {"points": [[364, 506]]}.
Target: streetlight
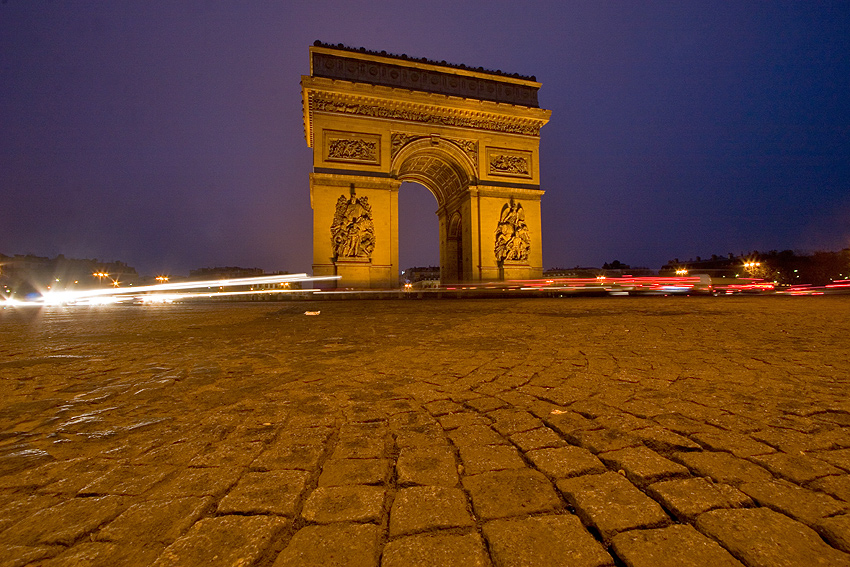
{"points": [[162, 279], [100, 276]]}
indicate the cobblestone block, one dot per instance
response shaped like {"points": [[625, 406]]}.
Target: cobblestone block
{"points": [[227, 540], [796, 468], [544, 541], [624, 422], [565, 462], [681, 424], [723, 467], [296, 434], [432, 550], [673, 546], [801, 504], [454, 420], [359, 448], [35, 477], [412, 420], [207, 481], [470, 435], [478, 459], [15, 507], [760, 537], [361, 414], [420, 436], [177, 453], [227, 455], [510, 421], [600, 440], [283, 456], [275, 492], [79, 473], [334, 545], [64, 523], [508, 493], [664, 441], [578, 402], [155, 521], [735, 443], [127, 480], [839, 458], [539, 438], [796, 442], [442, 407], [354, 471], [344, 504], [99, 553], [611, 504], [423, 508], [485, 404], [643, 466], [429, 465], [689, 497], [837, 486], [836, 531], [565, 422]]}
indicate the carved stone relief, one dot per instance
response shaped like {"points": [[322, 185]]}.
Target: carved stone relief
{"points": [[360, 150], [399, 139], [470, 148], [352, 147], [352, 231], [513, 240], [321, 102], [509, 163]]}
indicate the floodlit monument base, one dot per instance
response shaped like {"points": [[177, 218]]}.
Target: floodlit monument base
{"points": [[470, 136]]}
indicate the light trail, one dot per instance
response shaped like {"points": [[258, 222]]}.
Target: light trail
{"points": [[153, 293]]}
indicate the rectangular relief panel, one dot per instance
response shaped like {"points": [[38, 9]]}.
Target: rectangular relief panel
{"points": [[351, 147], [509, 163]]}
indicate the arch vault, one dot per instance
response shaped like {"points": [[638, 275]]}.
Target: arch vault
{"points": [[468, 135]]}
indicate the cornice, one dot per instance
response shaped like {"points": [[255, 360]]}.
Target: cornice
{"points": [[386, 103]]}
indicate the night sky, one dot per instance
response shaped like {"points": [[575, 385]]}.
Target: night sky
{"points": [[169, 134]]}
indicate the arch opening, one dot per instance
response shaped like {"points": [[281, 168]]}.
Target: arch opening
{"points": [[418, 234], [447, 172]]}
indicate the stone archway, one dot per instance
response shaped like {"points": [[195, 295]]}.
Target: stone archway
{"points": [[468, 135]]}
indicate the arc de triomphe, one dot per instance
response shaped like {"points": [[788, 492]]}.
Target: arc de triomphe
{"points": [[469, 135]]}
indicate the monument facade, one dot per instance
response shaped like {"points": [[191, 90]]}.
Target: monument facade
{"points": [[469, 135]]}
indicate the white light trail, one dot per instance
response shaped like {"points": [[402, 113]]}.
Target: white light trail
{"points": [[153, 293]]}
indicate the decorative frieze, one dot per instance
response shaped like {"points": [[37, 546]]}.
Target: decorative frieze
{"points": [[513, 240], [510, 163], [421, 113]]}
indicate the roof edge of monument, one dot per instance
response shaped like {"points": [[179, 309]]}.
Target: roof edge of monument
{"points": [[424, 60]]}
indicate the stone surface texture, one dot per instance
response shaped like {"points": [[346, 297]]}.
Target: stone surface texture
{"points": [[609, 431]]}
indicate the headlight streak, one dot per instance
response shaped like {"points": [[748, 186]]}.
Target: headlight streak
{"points": [[153, 293]]}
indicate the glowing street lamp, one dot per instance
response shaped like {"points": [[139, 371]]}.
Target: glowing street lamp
{"points": [[162, 279], [682, 272], [100, 276]]}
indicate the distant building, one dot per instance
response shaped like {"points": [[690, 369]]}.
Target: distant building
{"points": [[224, 273], [23, 274], [421, 276]]}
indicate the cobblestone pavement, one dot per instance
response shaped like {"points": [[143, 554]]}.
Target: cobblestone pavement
{"points": [[584, 432]]}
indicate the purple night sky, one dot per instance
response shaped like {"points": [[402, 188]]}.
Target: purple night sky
{"points": [[169, 134]]}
